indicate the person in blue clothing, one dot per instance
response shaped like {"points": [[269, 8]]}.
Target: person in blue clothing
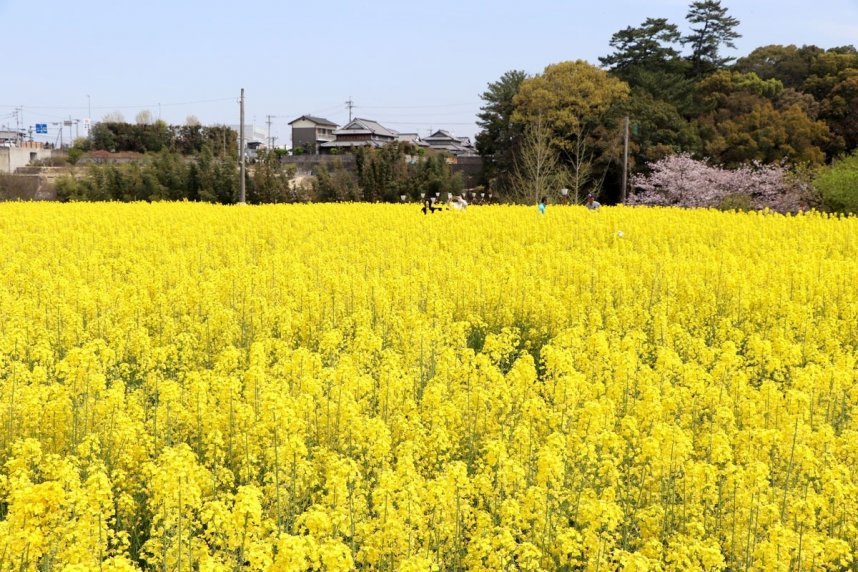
{"points": [[543, 203]]}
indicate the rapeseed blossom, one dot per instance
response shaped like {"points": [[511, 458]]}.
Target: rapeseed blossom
{"points": [[334, 387]]}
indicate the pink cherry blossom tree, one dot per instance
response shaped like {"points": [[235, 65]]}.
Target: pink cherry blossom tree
{"points": [[680, 180]]}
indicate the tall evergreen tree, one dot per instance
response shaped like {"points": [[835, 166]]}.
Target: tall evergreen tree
{"points": [[499, 137], [648, 45], [711, 28], [646, 58]]}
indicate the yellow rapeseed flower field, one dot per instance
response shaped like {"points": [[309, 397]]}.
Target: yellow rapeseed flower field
{"points": [[338, 387]]}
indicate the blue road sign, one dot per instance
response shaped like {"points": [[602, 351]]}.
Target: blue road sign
{"points": [[41, 127]]}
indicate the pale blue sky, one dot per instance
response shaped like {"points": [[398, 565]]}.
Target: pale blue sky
{"points": [[413, 66]]}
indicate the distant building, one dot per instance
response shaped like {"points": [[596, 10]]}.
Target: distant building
{"points": [[309, 132], [16, 153], [11, 137], [412, 138], [359, 133], [252, 132], [445, 141], [254, 138]]}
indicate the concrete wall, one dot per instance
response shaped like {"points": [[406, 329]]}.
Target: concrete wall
{"points": [[471, 169], [304, 136], [26, 188], [303, 123], [13, 157]]}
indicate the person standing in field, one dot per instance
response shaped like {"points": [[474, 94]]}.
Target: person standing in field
{"points": [[458, 204], [543, 203], [592, 203]]}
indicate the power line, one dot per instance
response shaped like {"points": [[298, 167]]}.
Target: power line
{"points": [[420, 122], [435, 106], [326, 110], [411, 115], [428, 114], [127, 106]]}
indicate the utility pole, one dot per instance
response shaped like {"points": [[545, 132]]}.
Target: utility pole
{"points": [[625, 159], [241, 149], [59, 134], [349, 105], [270, 139]]}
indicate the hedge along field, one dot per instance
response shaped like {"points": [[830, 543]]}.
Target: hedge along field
{"points": [[335, 387]]}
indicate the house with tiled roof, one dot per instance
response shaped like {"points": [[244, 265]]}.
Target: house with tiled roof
{"points": [[309, 133], [445, 141], [359, 133]]}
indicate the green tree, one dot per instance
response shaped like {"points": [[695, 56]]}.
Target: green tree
{"points": [[335, 185], [154, 137], [212, 179], [429, 175], [374, 174], [840, 110], [733, 92], [101, 137], [499, 136], [76, 151], [740, 120], [581, 106], [657, 129], [272, 181], [826, 67], [823, 84], [222, 140], [380, 172], [838, 185], [188, 138], [649, 46], [200, 178], [711, 28], [808, 69], [787, 64], [169, 176], [226, 181], [646, 59]]}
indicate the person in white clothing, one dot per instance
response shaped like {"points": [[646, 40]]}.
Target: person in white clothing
{"points": [[592, 203]]}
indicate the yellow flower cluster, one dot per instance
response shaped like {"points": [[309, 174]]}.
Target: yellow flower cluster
{"points": [[338, 387]]}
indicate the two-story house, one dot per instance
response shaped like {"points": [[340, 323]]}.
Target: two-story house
{"points": [[309, 132]]}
